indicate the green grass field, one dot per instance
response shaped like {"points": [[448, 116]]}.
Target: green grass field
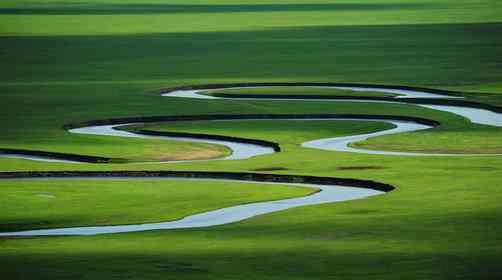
{"points": [[37, 203], [287, 132], [66, 62], [295, 90]]}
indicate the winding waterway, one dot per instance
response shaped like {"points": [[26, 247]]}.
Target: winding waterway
{"points": [[475, 115], [241, 150], [327, 193]]}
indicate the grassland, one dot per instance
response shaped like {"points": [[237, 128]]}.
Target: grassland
{"points": [[470, 138], [285, 132], [475, 141], [64, 62], [44, 204]]}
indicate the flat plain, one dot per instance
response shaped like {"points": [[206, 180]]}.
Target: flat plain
{"points": [[68, 62]]}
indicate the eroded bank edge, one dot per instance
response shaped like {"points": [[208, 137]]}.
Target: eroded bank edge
{"points": [[240, 176]]}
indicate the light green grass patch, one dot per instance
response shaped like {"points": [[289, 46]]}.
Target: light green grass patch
{"points": [[288, 132], [70, 18], [478, 141]]}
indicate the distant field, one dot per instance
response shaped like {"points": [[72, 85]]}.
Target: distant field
{"points": [[68, 62]]}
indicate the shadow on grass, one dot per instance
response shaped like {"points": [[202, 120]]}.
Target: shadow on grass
{"points": [[262, 261], [428, 54]]}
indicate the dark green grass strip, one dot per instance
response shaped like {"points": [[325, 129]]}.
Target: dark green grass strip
{"points": [[242, 176]]}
